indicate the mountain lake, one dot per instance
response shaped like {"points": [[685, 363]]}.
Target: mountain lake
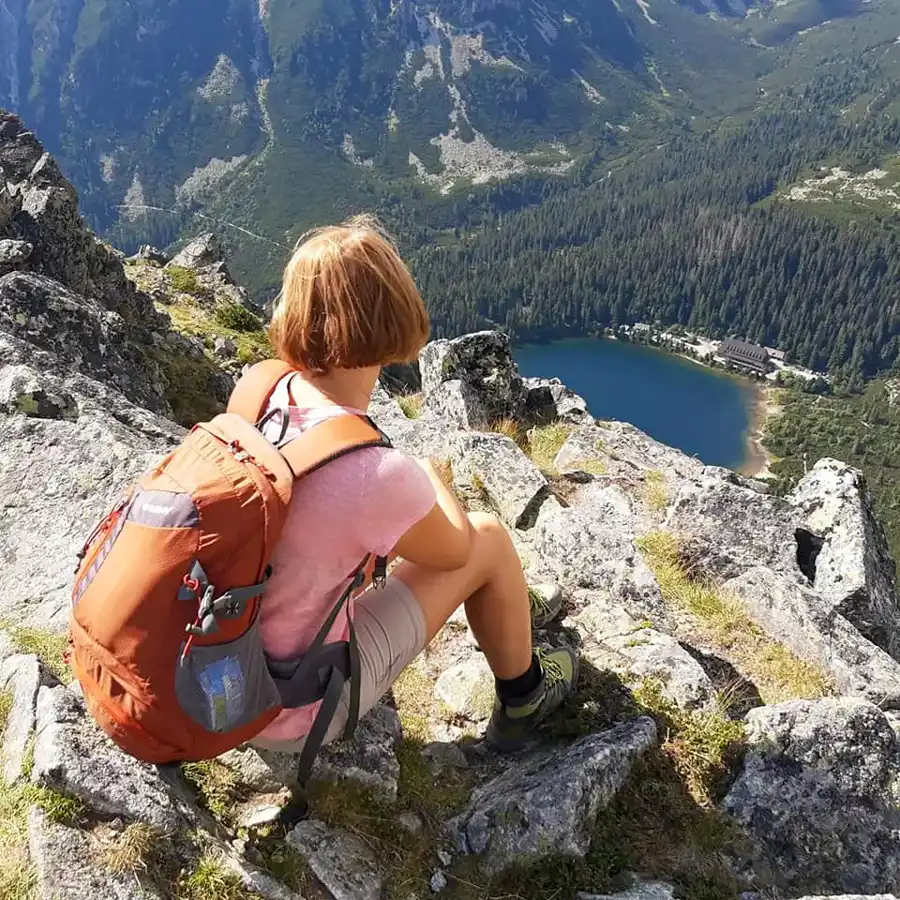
{"points": [[702, 412]]}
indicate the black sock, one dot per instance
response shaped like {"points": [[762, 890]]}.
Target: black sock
{"points": [[517, 688]]}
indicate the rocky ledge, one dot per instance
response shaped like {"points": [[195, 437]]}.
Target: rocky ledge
{"points": [[735, 729]]}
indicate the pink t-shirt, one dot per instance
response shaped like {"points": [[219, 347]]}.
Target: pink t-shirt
{"points": [[357, 504]]}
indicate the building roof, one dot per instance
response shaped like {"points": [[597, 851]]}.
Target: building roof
{"points": [[743, 350]]}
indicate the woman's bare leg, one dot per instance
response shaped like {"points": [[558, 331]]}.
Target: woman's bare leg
{"points": [[493, 588]]}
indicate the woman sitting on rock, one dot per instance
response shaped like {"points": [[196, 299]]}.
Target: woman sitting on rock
{"points": [[348, 307]]}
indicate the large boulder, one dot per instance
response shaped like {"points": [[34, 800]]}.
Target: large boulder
{"points": [[491, 387], [818, 793], [81, 334], [73, 756], [613, 640], [347, 869], [547, 807], [495, 465], [624, 452], [592, 546], [549, 400], [850, 560], [203, 251], [70, 866], [58, 478], [801, 619], [22, 676], [732, 527]]}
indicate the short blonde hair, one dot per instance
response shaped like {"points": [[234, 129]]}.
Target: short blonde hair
{"points": [[348, 301]]}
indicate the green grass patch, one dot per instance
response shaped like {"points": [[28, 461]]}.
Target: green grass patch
{"points": [[135, 849], [656, 493], [411, 404], [217, 787], [49, 646], [777, 673], [591, 466], [237, 318], [183, 280], [188, 385], [545, 442], [209, 879], [510, 428]]}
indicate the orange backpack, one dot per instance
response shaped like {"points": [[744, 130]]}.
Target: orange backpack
{"points": [[165, 620]]}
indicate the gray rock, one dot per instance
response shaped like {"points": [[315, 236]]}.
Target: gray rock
{"points": [[81, 334], [443, 755], [29, 393], [9, 206], [72, 755], [631, 648], [468, 688], [57, 479], [647, 890], [14, 254], [625, 451], [205, 250], [341, 862], [69, 866], [818, 793], [64, 249], [593, 547], [548, 807], [252, 770], [457, 402], [715, 513], [513, 484], [806, 623], [484, 363], [23, 677], [853, 569], [369, 758], [438, 882], [412, 823], [549, 400], [256, 880], [224, 348], [148, 253]]}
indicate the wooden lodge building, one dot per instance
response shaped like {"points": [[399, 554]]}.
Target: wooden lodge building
{"points": [[745, 356]]}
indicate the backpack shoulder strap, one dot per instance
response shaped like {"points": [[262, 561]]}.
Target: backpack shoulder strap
{"points": [[329, 440], [253, 390]]}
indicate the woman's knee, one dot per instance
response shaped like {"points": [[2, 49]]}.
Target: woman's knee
{"points": [[489, 531]]}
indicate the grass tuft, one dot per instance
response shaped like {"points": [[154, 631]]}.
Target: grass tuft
{"points": [[134, 849], [211, 880], [777, 673], [236, 317], [216, 785], [510, 428], [59, 808], [183, 280], [656, 493], [545, 442], [591, 466], [49, 646], [411, 404]]}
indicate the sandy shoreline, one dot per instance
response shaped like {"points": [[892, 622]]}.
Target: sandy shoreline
{"points": [[763, 404]]}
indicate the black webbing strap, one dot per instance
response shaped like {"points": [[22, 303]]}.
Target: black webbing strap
{"points": [[306, 671], [355, 684]]}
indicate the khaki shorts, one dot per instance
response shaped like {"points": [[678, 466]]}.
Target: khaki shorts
{"points": [[390, 630]]}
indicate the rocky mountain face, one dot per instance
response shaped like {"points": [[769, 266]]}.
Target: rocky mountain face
{"points": [[736, 728]]}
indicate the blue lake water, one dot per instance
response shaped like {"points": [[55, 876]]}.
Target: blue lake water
{"points": [[678, 402]]}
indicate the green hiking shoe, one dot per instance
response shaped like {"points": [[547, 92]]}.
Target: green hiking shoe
{"points": [[512, 725], [546, 601]]}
